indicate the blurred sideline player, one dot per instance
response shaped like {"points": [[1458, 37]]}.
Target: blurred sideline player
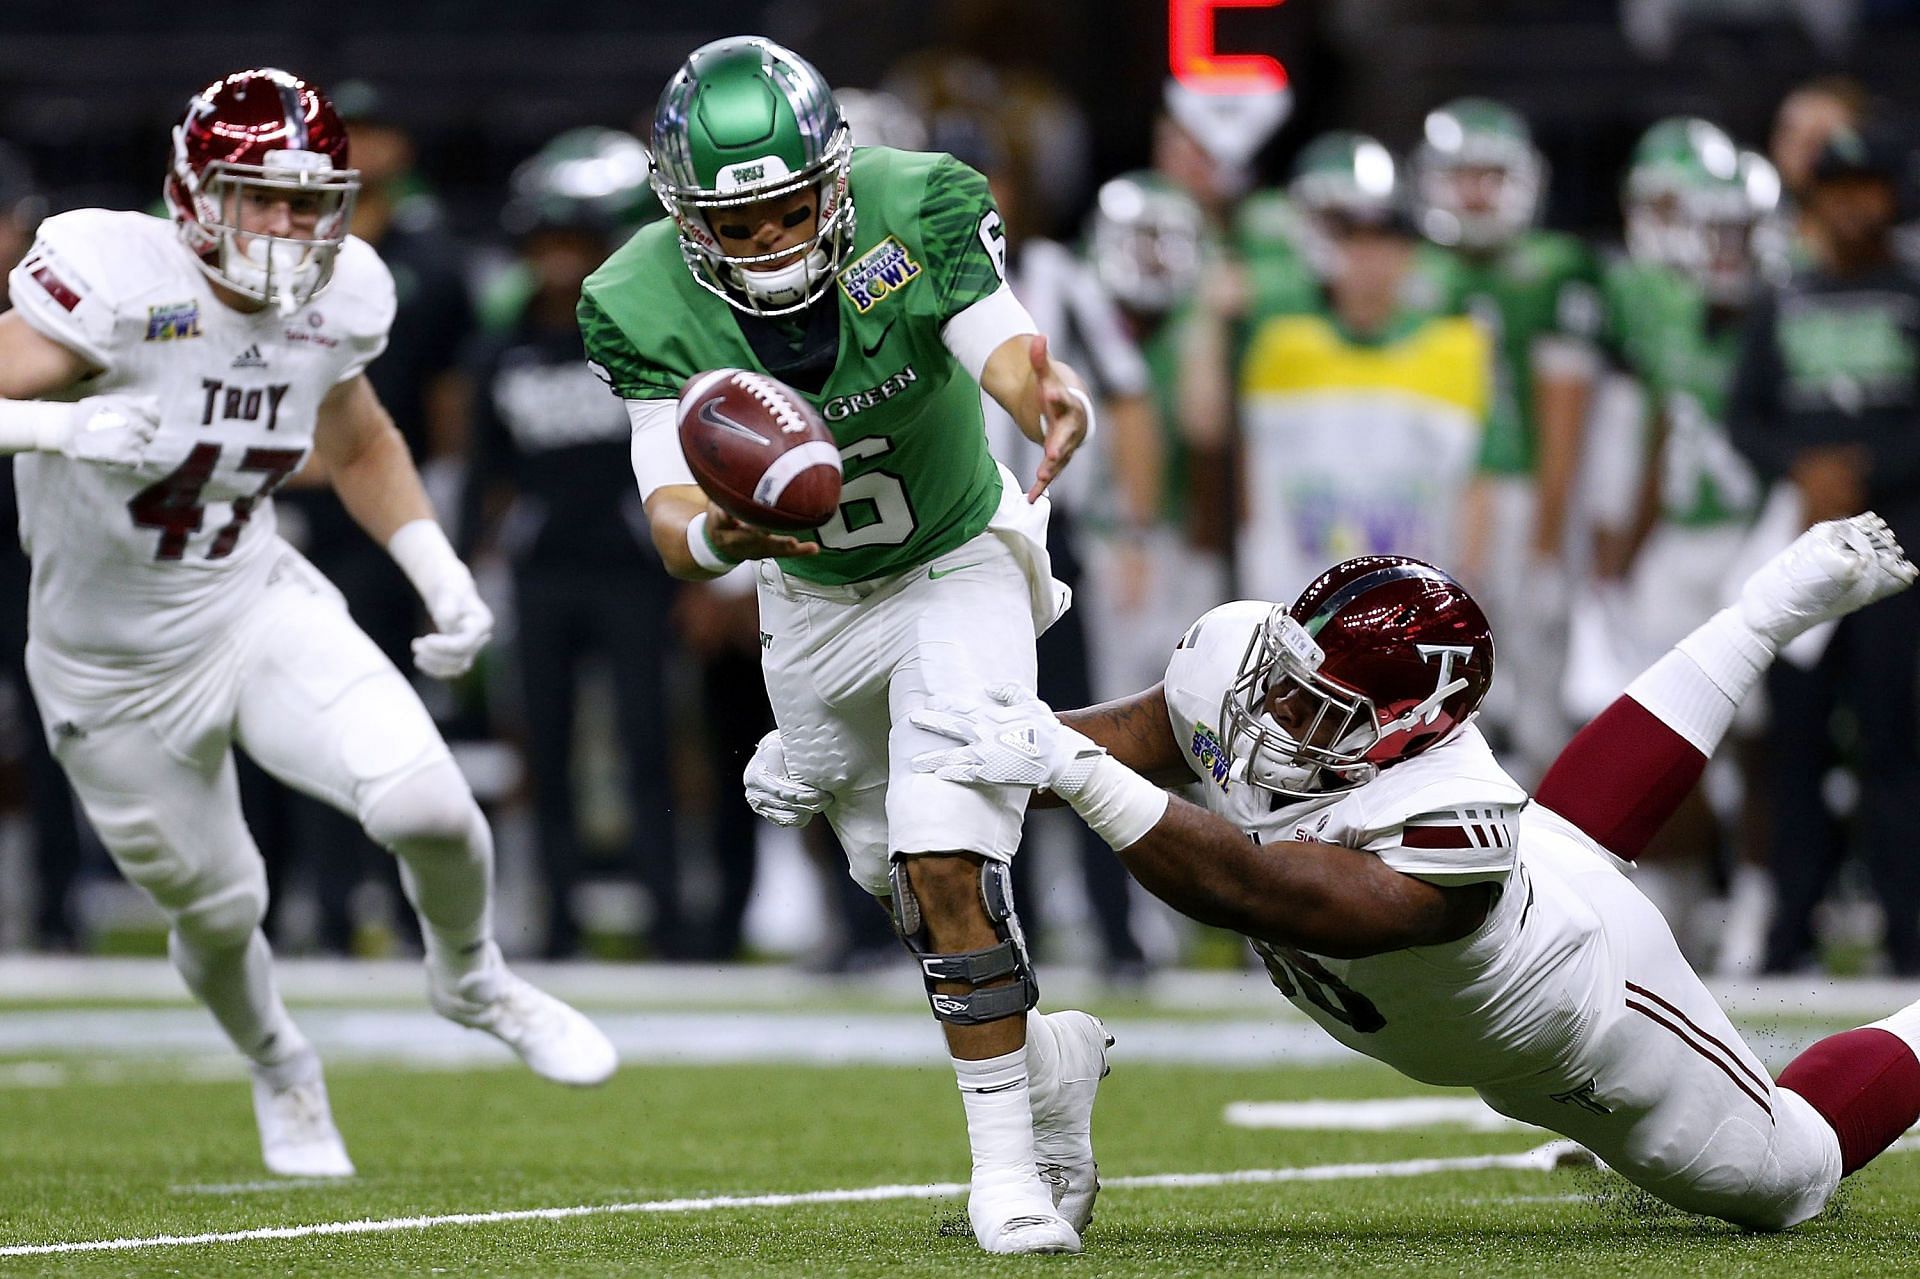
{"points": [[872, 281], [1101, 508], [1360, 415], [168, 620], [56, 831], [548, 489], [1146, 240], [1674, 305], [1481, 185], [1407, 896]]}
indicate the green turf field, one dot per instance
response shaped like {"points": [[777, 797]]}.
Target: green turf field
{"points": [[153, 1154]]}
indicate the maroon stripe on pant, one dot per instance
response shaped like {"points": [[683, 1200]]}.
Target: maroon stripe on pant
{"points": [[1759, 1080], [1680, 1034]]}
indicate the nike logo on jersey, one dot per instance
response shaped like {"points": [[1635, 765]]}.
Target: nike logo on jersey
{"points": [[937, 573], [871, 351], [710, 414]]}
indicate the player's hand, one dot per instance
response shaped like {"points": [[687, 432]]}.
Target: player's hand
{"points": [[738, 540], [462, 626], [776, 794], [109, 430], [1065, 416], [1011, 739]]}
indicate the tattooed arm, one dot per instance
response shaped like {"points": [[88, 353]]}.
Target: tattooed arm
{"points": [[1137, 732]]}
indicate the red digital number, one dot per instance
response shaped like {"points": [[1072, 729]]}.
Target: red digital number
{"points": [[1196, 64], [172, 504]]}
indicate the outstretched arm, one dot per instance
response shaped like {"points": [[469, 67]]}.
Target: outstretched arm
{"points": [[1323, 898], [1333, 901], [1045, 398]]}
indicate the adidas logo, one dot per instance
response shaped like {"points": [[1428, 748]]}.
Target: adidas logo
{"points": [[250, 358]]}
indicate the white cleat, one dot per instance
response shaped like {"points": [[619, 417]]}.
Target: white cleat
{"points": [[1063, 1124], [1011, 1228], [297, 1136], [1829, 571], [556, 1041]]}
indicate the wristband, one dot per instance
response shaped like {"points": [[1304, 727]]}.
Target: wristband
{"points": [[1118, 804], [704, 552], [423, 553], [29, 425], [1086, 406]]}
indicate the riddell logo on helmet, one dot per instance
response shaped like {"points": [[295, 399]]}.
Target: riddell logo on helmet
{"points": [[747, 173]]}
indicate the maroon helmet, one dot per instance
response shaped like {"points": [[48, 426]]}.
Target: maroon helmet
{"points": [[254, 134], [1381, 658]]}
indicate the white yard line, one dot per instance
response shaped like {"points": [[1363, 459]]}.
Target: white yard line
{"points": [[1538, 1159]]}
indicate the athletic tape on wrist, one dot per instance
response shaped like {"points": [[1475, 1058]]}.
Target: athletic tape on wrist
{"points": [[701, 547], [1117, 803]]}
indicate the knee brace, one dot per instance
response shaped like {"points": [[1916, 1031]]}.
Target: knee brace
{"points": [[1008, 958]]}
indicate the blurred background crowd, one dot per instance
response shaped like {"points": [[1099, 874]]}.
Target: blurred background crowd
{"points": [[1591, 302]]}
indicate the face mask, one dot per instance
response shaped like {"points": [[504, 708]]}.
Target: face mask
{"points": [[784, 285]]}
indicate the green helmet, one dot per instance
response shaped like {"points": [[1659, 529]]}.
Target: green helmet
{"points": [[1473, 136], [1344, 178], [1693, 200], [590, 179], [1144, 237], [746, 120]]}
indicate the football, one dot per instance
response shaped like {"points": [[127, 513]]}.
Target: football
{"points": [[759, 450]]}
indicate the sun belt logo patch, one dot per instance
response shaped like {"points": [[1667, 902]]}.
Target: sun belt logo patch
{"points": [[883, 270]]}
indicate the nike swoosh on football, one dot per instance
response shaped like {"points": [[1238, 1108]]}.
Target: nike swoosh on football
{"points": [[871, 351], [937, 573], [710, 414]]}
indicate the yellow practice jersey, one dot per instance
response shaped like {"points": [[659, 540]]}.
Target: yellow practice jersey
{"points": [[1357, 447]]}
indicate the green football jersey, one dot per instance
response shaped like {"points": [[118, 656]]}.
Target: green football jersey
{"points": [[1661, 329], [928, 244], [1542, 284]]}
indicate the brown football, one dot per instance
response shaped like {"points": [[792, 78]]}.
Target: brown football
{"points": [[759, 449]]}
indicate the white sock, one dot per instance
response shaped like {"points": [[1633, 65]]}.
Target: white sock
{"points": [[999, 1119], [236, 984], [1905, 1024], [1043, 1063], [1695, 689]]}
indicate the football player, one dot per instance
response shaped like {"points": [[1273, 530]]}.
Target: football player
{"points": [[1694, 204], [1481, 184], [1406, 895], [873, 282], [216, 351], [1361, 415]]}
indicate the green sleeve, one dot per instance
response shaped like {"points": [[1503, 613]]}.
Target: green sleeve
{"points": [[610, 354], [966, 244]]}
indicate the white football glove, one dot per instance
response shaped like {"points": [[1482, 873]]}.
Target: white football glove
{"points": [[462, 621], [462, 625], [108, 430], [1012, 739], [776, 794]]}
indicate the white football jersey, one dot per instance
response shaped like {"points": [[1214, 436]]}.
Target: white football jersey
{"points": [[1490, 1007], [145, 564]]}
